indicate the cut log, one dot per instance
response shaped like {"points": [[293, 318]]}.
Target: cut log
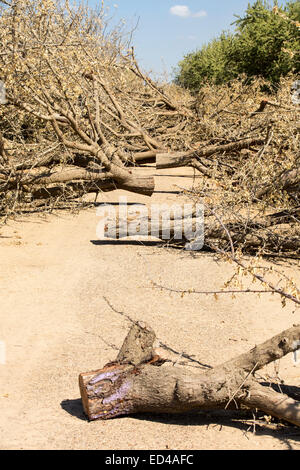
{"points": [[175, 223], [182, 224], [173, 160], [179, 159], [140, 381]]}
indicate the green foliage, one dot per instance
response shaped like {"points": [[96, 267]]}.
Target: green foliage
{"points": [[209, 64], [266, 43]]}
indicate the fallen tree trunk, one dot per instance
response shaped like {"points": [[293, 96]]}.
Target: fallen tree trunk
{"points": [[179, 159], [273, 232], [137, 184], [176, 223], [141, 381]]}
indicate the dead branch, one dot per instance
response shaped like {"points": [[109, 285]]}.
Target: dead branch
{"points": [[137, 184], [175, 160]]}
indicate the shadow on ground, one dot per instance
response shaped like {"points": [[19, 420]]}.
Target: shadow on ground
{"points": [[245, 421], [74, 408], [126, 242]]}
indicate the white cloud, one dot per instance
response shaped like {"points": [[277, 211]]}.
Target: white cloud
{"points": [[200, 14], [181, 10], [184, 12]]}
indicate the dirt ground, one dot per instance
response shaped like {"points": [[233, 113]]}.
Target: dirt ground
{"points": [[55, 323]]}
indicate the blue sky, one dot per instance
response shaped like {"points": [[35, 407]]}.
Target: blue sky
{"points": [[169, 29]]}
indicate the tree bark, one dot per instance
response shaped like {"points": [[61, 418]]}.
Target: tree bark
{"points": [[175, 223], [273, 403], [270, 231], [140, 381]]}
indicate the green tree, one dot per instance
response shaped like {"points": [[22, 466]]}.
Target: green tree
{"points": [[210, 64], [266, 43]]}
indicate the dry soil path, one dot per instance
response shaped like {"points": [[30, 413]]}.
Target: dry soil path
{"points": [[55, 323]]}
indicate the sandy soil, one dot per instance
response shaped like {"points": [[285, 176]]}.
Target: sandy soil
{"points": [[55, 323]]}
